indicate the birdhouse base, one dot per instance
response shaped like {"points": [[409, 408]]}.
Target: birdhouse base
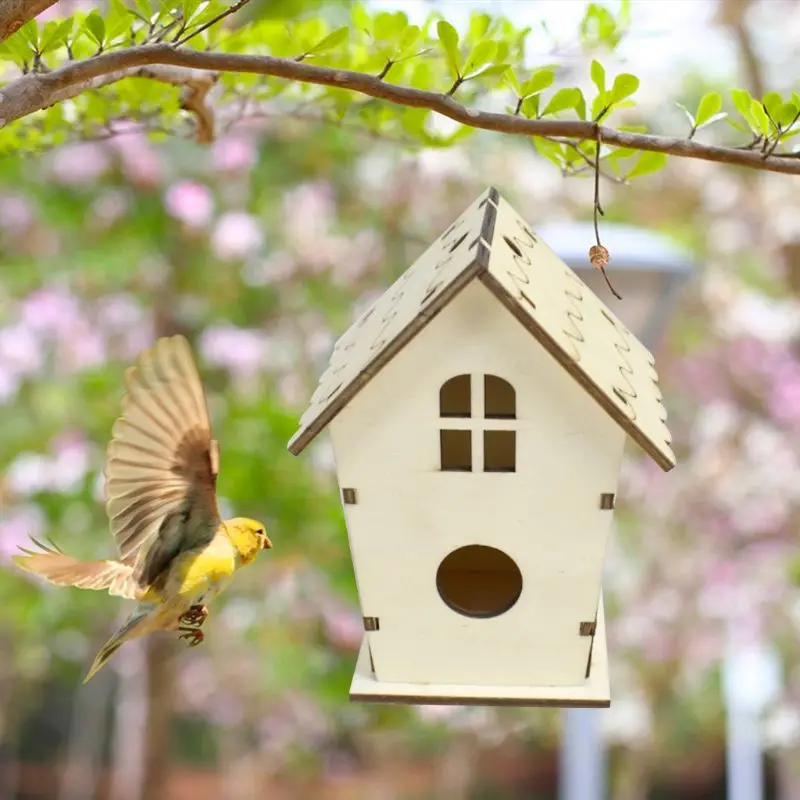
{"points": [[593, 693]]}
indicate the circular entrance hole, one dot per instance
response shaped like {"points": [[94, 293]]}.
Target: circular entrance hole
{"points": [[479, 581]]}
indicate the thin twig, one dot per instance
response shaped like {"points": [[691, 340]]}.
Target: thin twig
{"points": [[238, 5]]}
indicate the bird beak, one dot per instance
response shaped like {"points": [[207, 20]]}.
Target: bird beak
{"points": [[267, 543]]}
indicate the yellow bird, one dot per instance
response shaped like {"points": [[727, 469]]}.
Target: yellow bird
{"points": [[175, 552]]}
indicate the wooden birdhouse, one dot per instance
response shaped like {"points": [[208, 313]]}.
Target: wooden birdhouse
{"points": [[478, 413]]}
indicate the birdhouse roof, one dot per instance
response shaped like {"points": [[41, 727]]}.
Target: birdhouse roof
{"points": [[491, 243]]}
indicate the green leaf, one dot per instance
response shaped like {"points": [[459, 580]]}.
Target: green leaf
{"points": [[624, 86], [478, 26], [483, 53], [538, 82], [742, 102], [530, 107], [407, 41], [492, 69], [598, 73], [96, 27], [562, 100], [785, 114], [333, 39], [553, 151], [29, 33], [709, 105], [647, 164], [513, 82], [448, 37], [712, 120], [56, 35], [688, 113], [762, 123], [771, 101]]}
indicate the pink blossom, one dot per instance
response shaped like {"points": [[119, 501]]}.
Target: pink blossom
{"points": [[190, 202], [52, 312], [308, 212], [80, 164], [85, 348], [71, 462], [20, 350], [783, 400], [344, 629], [28, 473], [16, 213], [16, 528], [110, 207], [141, 164], [233, 154], [278, 266], [236, 349], [236, 236]]}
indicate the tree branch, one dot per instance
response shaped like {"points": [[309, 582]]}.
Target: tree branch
{"points": [[15, 13], [33, 92]]}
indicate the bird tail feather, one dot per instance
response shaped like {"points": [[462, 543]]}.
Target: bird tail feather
{"points": [[132, 627], [55, 566]]}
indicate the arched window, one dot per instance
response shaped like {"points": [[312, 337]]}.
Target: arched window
{"points": [[486, 432]]}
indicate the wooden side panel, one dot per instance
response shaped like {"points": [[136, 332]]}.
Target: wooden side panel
{"points": [[594, 692], [546, 515], [579, 330]]}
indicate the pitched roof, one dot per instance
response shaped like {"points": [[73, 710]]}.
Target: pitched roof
{"points": [[492, 243]]}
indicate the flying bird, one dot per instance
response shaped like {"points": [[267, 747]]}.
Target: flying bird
{"points": [[175, 552]]}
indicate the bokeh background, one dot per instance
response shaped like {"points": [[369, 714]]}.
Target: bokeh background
{"points": [[262, 249]]}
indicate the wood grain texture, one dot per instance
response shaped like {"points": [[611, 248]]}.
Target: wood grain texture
{"points": [[538, 288]]}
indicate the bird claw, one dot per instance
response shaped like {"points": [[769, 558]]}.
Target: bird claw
{"points": [[192, 635], [195, 616]]}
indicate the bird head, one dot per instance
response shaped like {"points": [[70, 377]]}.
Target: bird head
{"points": [[249, 537]]}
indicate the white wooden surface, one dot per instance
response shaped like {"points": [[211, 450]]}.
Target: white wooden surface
{"points": [[410, 515], [581, 327], [593, 692]]}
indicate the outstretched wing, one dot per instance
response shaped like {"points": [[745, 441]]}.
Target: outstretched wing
{"points": [[162, 463]]}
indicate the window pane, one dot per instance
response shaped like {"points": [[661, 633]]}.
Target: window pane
{"points": [[454, 397], [500, 399], [499, 451], [456, 451]]}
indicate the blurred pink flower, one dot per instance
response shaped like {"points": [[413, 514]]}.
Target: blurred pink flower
{"points": [[52, 312], [28, 474], [190, 202], [20, 350], [85, 348], [278, 266], [16, 527], [235, 349], [783, 399], [141, 163], [308, 212], [16, 213], [80, 164], [236, 236], [233, 154], [344, 629], [109, 207], [63, 471], [9, 384], [71, 462]]}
